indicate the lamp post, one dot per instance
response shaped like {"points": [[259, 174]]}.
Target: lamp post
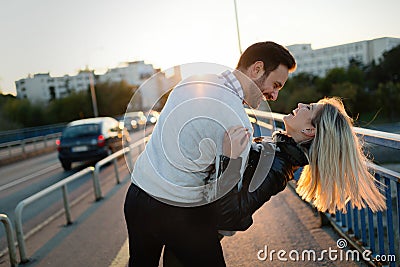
{"points": [[237, 27], [93, 95]]}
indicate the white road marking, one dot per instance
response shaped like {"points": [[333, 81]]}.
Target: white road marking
{"points": [[30, 176]]}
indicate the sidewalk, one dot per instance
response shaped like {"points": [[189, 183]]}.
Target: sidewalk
{"points": [[99, 237]]}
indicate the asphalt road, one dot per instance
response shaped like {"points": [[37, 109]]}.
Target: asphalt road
{"points": [[22, 179]]}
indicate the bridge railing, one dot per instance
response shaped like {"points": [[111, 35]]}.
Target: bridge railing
{"points": [[28, 145], [10, 239], [377, 232], [63, 186]]}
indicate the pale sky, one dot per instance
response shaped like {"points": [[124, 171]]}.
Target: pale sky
{"points": [[62, 37]]}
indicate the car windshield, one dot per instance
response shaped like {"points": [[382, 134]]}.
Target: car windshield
{"points": [[81, 130]]}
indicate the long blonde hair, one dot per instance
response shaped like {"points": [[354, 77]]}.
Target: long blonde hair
{"points": [[338, 171]]}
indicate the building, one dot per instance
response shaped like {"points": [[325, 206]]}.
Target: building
{"points": [[153, 89], [42, 87], [319, 61], [134, 73]]}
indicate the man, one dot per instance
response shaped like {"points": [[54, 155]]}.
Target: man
{"points": [[174, 185]]}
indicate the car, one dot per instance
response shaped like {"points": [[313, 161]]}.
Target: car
{"points": [[90, 140], [135, 120], [152, 117]]}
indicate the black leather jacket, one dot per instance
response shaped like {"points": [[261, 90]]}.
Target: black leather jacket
{"points": [[236, 208]]}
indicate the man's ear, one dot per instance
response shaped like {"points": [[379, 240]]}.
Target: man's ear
{"points": [[310, 132], [256, 70]]}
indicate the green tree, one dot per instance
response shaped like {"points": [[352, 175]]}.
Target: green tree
{"points": [[348, 92], [299, 88], [22, 111], [334, 76], [388, 99], [75, 106], [113, 98]]}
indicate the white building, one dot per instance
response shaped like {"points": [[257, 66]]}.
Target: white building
{"points": [[134, 73], [42, 87], [153, 89], [319, 61]]}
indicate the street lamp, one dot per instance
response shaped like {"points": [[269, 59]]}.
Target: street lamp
{"points": [[237, 27], [93, 95]]}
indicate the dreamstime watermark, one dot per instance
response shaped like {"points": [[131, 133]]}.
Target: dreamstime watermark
{"points": [[331, 254]]}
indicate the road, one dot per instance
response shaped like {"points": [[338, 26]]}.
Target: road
{"points": [[25, 178]]}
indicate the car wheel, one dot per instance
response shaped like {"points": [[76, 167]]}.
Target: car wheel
{"points": [[66, 165]]}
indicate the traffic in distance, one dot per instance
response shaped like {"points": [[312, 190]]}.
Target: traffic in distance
{"points": [[92, 139]]}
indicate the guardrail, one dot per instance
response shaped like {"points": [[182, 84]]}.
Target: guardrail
{"points": [[63, 185], [21, 146], [30, 132], [376, 233], [10, 239]]}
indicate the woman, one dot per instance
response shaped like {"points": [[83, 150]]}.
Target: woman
{"points": [[318, 134], [336, 173]]}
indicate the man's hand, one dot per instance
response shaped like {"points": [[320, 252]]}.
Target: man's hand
{"points": [[235, 141]]}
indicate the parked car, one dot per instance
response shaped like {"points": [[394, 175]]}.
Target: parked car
{"points": [[90, 140]]}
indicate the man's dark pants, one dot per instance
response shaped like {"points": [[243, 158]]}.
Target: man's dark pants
{"points": [[189, 232]]}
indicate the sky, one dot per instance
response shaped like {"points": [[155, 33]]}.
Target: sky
{"points": [[62, 37]]}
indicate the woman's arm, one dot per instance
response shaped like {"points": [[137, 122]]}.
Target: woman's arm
{"points": [[236, 208]]}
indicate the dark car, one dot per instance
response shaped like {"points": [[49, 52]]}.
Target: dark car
{"points": [[90, 140]]}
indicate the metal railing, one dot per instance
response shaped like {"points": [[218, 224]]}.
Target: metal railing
{"points": [[63, 185], [10, 239], [30, 132], [24, 146], [365, 230]]}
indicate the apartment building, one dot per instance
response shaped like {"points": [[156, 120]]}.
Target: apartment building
{"points": [[319, 61], [43, 87]]}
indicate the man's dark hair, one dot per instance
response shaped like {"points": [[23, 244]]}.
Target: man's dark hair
{"points": [[270, 53]]}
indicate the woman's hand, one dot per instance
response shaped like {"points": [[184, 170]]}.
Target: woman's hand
{"points": [[235, 141]]}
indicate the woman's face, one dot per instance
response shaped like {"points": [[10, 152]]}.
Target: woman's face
{"points": [[299, 120]]}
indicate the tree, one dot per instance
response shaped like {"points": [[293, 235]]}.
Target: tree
{"points": [[73, 107], [23, 112], [113, 98], [334, 76], [299, 88], [388, 99]]}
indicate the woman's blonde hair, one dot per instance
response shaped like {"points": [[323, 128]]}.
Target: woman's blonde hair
{"points": [[337, 172]]}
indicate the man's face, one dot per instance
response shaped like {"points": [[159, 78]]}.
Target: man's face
{"points": [[271, 84]]}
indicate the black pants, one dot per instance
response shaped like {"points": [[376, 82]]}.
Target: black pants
{"points": [[190, 233]]}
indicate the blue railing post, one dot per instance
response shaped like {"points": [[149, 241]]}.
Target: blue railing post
{"points": [[257, 130], [398, 210], [381, 237], [389, 216], [343, 218], [356, 222], [349, 220], [337, 216], [371, 231], [363, 227]]}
